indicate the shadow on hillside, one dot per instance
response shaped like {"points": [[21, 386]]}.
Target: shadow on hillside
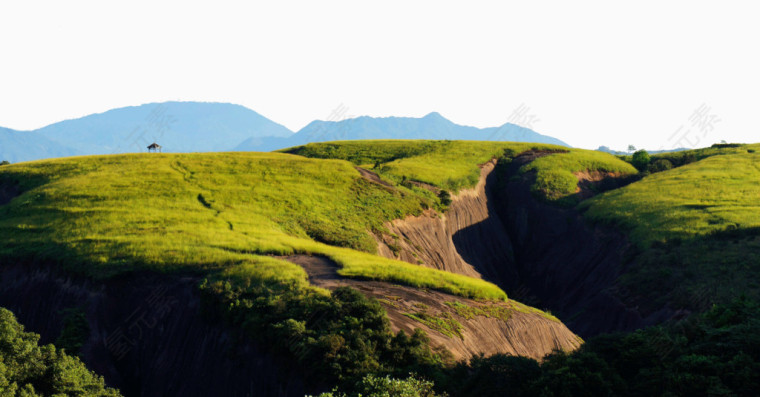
{"points": [[689, 275], [9, 190]]}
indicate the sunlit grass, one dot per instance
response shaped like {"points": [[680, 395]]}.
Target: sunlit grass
{"points": [[454, 165], [714, 194], [555, 173], [104, 215], [450, 165]]}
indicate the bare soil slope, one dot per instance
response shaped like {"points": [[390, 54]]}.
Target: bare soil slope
{"points": [[524, 331], [539, 253], [468, 239]]}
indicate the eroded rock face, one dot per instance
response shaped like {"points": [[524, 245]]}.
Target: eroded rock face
{"points": [[541, 254], [564, 262], [147, 335], [468, 239], [515, 330]]}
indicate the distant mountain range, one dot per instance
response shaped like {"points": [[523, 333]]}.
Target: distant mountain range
{"points": [[18, 146], [621, 153], [432, 126], [204, 127]]}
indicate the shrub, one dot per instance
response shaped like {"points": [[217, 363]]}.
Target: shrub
{"points": [[374, 386], [445, 198], [726, 145], [640, 160], [660, 165]]}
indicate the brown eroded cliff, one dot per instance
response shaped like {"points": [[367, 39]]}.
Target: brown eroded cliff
{"points": [[540, 253], [467, 239], [462, 326]]}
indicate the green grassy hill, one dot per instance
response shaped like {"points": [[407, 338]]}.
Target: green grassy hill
{"points": [[453, 165], [696, 228], [108, 214], [716, 193], [695, 231]]}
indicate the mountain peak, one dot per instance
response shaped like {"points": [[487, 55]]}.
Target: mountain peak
{"points": [[434, 115]]}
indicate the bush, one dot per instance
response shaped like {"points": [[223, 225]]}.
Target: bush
{"points": [[445, 198], [726, 145], [660, 165], [373, 386], [640, 160]]}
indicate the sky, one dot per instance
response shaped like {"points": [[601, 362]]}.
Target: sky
{"points": [[649, 73]]}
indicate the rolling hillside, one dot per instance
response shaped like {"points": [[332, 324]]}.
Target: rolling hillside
{"points": [[685, 215], [607, 250], [695, 225], [386, 257], [242, 225]]}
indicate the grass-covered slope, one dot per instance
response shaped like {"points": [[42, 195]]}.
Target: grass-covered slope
{"points": [[718, 193], [684, 157], [453, 165], [110, 214], [695, 229], [450, 165], [555, 173]]}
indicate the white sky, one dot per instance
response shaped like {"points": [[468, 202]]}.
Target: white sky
{"points": [[592, 73]]}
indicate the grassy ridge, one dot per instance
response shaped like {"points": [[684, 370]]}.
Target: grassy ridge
{"points": [[689, 156], [361, 265], [555, 173], [450, 165], [714, 194], [110, 214], [695, 229], [453, 165]]}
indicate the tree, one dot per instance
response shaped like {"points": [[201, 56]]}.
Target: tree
{"points": [[631, 148], [28, 369], [640, 160], [4, 162]]}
